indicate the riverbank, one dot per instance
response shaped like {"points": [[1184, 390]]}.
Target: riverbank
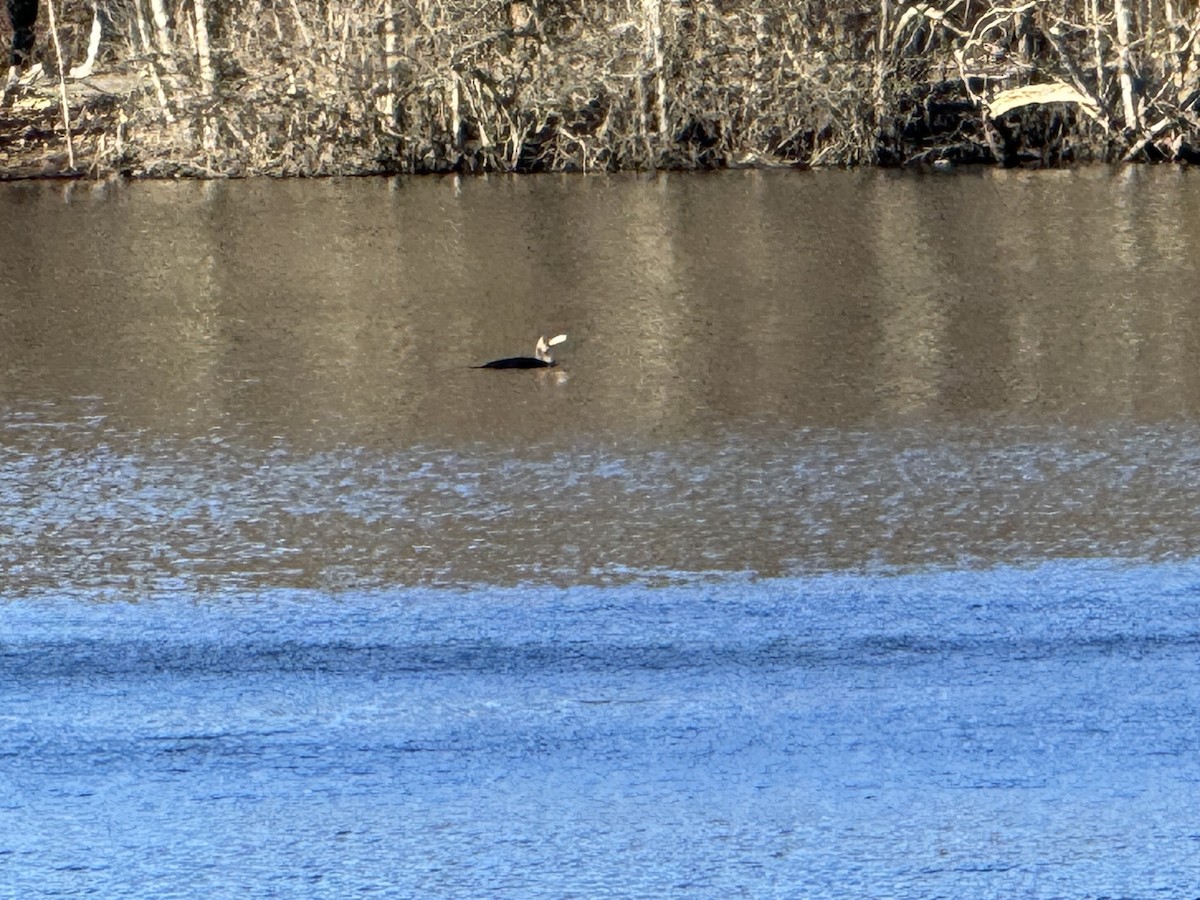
{"points": [[520, 86]]}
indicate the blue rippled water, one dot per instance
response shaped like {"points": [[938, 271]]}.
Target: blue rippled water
{"points": [[1006, 732], [851, 551]]}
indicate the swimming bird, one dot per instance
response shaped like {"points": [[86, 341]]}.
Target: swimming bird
{"points": [[541, 358]]}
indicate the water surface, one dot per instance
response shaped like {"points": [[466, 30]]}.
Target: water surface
{"points": [[850, 549], [268, 384]]}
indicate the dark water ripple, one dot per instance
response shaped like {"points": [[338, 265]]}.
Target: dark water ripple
{"points": [[78, 659]]}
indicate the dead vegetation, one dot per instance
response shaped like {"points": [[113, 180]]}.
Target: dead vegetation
{"points": [[318, 87]]}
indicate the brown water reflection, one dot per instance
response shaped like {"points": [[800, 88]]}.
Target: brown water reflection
{"points": [[758, 364]]}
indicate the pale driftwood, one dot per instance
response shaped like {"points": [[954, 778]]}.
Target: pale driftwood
{"points": [[1055, 92]]}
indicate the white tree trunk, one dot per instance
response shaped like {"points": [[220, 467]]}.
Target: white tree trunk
{"points": [[162, 28], [203, 53], [304, 35], [389, 63], [62, 85], [652, 23], [883, 53], [1124, 16]]}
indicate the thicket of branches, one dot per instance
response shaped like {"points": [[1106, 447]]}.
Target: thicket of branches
{"points": [[327, 86]]}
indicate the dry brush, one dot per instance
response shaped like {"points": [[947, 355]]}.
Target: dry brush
{"points": [[313, 87]]}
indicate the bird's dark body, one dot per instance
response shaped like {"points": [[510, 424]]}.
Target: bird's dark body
{"points": [[541, 358], [517, 362]]}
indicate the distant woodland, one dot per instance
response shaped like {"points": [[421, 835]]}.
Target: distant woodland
{"points": [[216, 88]]}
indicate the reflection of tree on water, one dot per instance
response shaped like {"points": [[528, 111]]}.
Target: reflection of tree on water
{"points": [[337, 306]]}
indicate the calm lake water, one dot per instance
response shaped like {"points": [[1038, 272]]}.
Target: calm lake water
{"points": [[853, 548]]}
